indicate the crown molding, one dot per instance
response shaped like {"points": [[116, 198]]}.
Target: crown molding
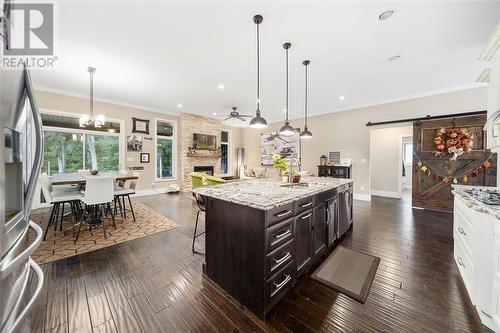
{"points": [[484, 76], [103, 100], [492, 45]]}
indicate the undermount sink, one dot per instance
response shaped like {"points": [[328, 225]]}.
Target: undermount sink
{"points": [[295, 185]]}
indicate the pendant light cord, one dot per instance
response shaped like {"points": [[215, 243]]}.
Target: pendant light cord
{"points": [[306, 100], [91, 95], [286, 79], [258, 70]]}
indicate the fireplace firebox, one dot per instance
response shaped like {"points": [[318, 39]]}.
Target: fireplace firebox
{"points": [[209, 170]]}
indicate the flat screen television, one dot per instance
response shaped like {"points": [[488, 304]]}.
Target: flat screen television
{"points": [[204, 142]]}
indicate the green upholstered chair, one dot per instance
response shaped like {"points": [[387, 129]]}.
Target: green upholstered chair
{"points": [[200, 179]]}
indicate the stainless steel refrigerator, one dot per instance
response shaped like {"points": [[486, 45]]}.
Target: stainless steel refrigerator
{"points": [[21, 149]]}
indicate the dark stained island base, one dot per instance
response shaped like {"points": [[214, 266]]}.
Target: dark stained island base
{"points": [[262, 235]]}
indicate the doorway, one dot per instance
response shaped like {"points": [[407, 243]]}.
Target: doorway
{"points": [[406, 165]]}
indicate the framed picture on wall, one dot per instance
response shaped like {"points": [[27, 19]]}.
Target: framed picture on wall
{"points": [[134, 143], [144, 157], [140, 125]]}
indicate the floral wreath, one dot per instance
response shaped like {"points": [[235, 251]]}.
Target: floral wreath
{"points": [[453, 141]]}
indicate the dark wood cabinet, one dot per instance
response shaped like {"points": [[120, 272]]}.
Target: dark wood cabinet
{"points": [[319, 231], [303, 241]]}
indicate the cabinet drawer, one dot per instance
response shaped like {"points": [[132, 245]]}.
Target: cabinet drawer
{"points": [[466, 211], [463, 230], [279, 234], [279, 258], [280, 283], [280, 213], [304, 204], [464, 265]]}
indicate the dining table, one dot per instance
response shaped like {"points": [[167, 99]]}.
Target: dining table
{"points": [[77, 178]]}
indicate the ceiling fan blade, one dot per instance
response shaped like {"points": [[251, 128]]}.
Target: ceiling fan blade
{"points": [[240, 118], [246, 115], [227, 118]]}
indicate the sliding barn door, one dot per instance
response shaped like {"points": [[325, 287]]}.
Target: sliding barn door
{"points": [[431, 192]]}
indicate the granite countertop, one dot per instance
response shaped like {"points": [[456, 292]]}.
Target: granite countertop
{"points": [[473, 203], [266, 194]]}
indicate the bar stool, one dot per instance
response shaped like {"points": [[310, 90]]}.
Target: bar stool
{"points": [[58, 199], [200, 179], [122, 192], [97, 197]]}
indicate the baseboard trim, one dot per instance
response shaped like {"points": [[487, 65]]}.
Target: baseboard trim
{"points": [[362, 196], [387, 194]]}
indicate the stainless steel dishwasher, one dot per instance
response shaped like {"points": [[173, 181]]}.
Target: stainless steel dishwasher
{"points": [[345, 209]]}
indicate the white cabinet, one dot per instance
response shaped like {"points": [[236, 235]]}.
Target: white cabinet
{"points": [[496, 277], [475, 252]]}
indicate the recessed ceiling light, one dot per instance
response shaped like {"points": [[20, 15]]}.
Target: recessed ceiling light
{"points": [[179, 105], [396, 57], [214, 113], [341, 98], [385, 15], [221, 86]]}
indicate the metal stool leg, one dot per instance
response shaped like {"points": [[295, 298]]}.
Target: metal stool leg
{"points": [[62, 216], [131, 208], [50, 221]]}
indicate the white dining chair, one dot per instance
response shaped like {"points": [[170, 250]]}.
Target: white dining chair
{"points": [[97, 197], [58, 198], [124, 192]]}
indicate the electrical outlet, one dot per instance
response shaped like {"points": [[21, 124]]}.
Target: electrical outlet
{"points": [[130, 159], [363, 160], [362, 188]]}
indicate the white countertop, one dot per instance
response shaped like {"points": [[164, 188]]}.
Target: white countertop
{"points": [[473, 203], [267, 193]]}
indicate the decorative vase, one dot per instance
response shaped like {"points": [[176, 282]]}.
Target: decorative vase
{"points": [[284, 179]]}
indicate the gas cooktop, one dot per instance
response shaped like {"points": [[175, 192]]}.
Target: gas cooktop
{"points": [[489, 197]]}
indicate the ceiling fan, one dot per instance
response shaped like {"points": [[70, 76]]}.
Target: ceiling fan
{"points": [[237, 115]]}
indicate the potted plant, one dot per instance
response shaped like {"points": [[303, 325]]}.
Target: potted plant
{"points": [[282, 166]]}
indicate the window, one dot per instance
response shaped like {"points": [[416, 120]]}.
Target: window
{"points": [[62, 152], [69, 148], [225, 150], [408, 153], [165, 149]]}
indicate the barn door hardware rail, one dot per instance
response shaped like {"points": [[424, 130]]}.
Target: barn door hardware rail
{"points": [[428, 117]]}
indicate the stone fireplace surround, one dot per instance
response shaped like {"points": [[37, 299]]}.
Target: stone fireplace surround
{"points": [[188, 125]]}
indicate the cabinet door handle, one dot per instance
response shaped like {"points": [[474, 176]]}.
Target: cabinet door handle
{"points": [[283, 234], [306, 205], [282, 259], [460, 261], [461, 230], [283, 213], [307, 216], [280, 285]]}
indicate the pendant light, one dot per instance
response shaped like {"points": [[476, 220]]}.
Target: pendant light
{"points": [[258, 121], [306, 134], [286, 130], [89, 121]]}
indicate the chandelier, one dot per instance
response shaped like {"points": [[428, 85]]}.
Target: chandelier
{"points": [[90, 121]]}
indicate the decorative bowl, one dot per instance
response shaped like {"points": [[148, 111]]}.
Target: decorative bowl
{"points": [[94, 172]]}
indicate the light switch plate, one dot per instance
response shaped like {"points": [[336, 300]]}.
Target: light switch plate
{"points": [[130, 159]]}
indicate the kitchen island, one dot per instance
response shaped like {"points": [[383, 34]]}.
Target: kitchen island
{"points": [[262, 235]]}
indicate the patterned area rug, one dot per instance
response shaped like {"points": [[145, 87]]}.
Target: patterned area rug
{"points": [[59, 245]]}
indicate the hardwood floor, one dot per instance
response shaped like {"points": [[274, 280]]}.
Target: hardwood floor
{"points": [[154, 284]]}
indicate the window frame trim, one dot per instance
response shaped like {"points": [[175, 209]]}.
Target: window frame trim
{"points": [[173, 138], [229, 150]]}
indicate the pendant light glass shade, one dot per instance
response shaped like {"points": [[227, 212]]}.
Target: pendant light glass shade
{"points": [[258, 121], [306, 134], [286, 130]]}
